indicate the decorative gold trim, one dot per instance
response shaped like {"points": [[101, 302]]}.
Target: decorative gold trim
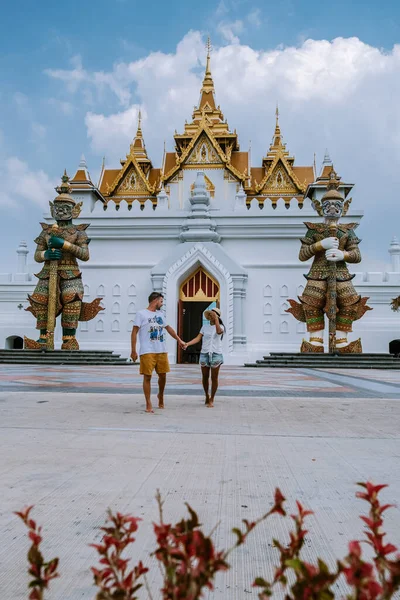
{"points": [[180, 160], [280, 157], [352, 348], [66, 245], [318, 247], [307, 348], [200, 296], [131, 160]]}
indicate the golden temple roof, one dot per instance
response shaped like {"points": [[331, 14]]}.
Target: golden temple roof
{"points": [[208, 140], [107, 178]]}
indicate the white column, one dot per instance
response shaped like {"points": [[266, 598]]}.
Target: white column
{"points": [[239, 295], [22, 252], [394, 251]]}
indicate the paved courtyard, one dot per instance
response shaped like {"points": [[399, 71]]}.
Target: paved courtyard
{"points": [[75, 441]]}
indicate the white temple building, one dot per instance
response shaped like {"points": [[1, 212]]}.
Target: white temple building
{"points": [[207, 227]]}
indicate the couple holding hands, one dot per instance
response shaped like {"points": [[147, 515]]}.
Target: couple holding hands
{"points": [[150, 326]]}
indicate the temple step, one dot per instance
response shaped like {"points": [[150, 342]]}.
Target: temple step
{"points": [[62, 357], [321, 361]]}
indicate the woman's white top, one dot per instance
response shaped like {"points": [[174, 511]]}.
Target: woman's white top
{"points": [[211, 340]]}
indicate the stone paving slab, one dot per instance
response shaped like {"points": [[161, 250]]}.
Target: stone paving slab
{"points": [[185, 380], [75, 454]]}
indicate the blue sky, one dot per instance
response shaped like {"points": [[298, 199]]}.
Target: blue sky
{"points": [[74, 75]]}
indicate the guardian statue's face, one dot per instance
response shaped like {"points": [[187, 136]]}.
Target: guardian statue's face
{"points": [[332, 209], [61, 211]]}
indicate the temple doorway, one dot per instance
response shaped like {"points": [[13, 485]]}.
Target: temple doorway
{"points": [[198, 293]]}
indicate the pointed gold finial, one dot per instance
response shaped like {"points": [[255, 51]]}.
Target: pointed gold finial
{"points": [[277, 140], [139, 125], [208, 70], [208, 46]]}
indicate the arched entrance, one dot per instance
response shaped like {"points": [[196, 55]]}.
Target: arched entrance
{"points": [[14, 342], [197, 293]]}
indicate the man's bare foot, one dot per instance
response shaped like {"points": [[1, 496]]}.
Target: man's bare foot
{"points": [[210, 404], [149, 409], [160, 401], [207, 400]]}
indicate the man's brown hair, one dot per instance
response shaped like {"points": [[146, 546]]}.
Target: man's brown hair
{"points": [[154, 296]]}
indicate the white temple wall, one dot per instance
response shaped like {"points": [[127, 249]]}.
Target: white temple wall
{"points": [[126, 245], [223, 197]]}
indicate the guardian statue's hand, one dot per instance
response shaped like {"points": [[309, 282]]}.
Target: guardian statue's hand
{"points": [[329, 243], [334, 255], [53, 254], [55, 242]]}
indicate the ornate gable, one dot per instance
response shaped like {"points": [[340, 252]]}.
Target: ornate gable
{"points": [[280, 181], [132, 183], [279, 175], [203, 153], [136, 176]]}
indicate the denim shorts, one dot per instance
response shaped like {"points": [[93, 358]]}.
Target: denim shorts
{"points": [[211, 359]]}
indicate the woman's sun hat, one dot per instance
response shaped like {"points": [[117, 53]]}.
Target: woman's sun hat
{"points": [[207, 313]]}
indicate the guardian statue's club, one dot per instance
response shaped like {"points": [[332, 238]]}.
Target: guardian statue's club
{"points": [[329, 288], [60, 288]]}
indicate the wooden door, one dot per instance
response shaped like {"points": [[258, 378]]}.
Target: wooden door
{"points": [[180, 331]]}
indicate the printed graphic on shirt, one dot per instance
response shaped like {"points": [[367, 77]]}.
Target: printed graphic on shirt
{"points": [[156, 329]]}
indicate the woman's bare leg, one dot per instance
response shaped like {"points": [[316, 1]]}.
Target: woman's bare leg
{"points": [[205, 372], [214, 384]]}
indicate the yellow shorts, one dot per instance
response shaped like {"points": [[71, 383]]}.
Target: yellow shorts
{"points": [[150, 362]]}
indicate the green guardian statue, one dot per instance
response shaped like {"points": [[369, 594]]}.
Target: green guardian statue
{"points": [[59, 290]]}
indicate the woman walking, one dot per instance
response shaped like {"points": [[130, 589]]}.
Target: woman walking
{"points": [[211, 357]]}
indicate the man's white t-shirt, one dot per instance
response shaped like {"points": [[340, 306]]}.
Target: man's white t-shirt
{"points": [[152, 336], [211, 341]]}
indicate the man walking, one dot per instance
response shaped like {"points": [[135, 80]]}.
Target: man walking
{"points": [[151, 323]]}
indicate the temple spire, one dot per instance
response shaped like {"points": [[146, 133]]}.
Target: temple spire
{"points": [[139, 126], [138, 147], [277, 134], [207, 90]]}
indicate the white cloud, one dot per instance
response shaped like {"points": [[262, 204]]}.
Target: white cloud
{"points": [[74, 77], [21, 185], [254, 17], [229, 30], [115, 131], [340, 94]]}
